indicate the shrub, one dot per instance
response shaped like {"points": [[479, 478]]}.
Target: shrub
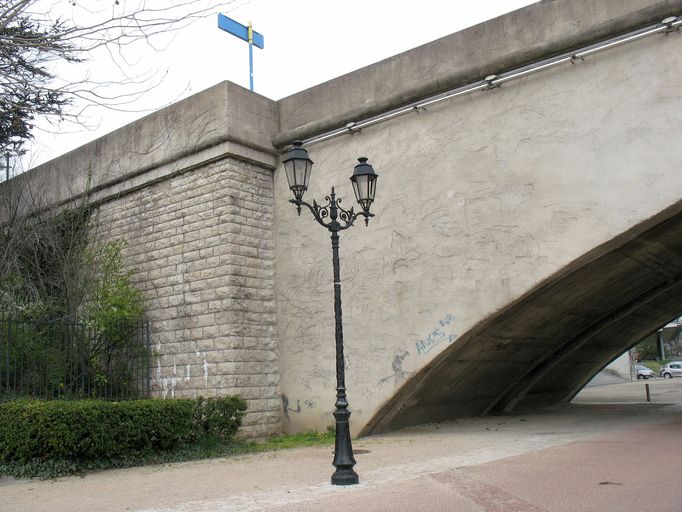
{"points": [[87, 430], [220, 417]]}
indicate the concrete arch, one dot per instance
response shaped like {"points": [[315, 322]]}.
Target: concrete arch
{"points": [[543, 348]]}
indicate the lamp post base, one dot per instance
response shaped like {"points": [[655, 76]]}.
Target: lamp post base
{"points": [[345, 476], [343, 448]]}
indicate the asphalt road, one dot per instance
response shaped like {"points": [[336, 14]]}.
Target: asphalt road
{"points": [[609, 451]]}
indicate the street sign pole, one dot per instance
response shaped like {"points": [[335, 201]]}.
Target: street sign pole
{"points": [[250, 57], [245, 33]]}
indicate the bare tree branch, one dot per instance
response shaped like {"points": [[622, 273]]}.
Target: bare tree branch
{"points": [[40, 39]]}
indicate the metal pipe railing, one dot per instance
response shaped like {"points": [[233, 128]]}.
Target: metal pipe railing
{"points": [[667, 25]]}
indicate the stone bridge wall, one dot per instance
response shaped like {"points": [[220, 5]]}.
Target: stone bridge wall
{"points": [[480, 200]]}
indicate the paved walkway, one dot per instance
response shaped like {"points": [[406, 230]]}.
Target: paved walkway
{"points": [[609, 451]]}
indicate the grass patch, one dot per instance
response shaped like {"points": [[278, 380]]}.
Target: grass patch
{"points": [[294, 441], [208, 448]]}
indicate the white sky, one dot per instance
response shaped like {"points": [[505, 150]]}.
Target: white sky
{"points": [[307, 42]]}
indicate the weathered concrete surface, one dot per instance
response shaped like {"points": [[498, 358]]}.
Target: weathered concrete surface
{"points": [[524, 237], [594, 458]]}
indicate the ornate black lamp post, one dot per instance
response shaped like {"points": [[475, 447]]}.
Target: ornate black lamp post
{"points": [[331, 216]]}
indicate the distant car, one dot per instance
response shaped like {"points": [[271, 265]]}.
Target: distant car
{"points": [[670, 370], [643, 372]]}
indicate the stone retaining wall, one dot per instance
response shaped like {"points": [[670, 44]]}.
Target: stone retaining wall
{"points": [[201, 247]]}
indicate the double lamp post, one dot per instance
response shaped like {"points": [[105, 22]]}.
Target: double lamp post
{"points": [[333, 217]]}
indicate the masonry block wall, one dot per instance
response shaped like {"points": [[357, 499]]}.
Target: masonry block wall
{"points": [[201, 247]]}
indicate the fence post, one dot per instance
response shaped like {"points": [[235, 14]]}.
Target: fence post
{"points": [[81, 343], [3, 319], [149, 358], [7, 319]]}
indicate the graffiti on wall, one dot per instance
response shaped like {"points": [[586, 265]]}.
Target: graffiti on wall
{"points": [[398, 374], [442, 334], [287, 409], [323, 375]]}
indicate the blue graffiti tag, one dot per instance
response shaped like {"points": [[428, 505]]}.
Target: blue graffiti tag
{"points": [[436, 337]]}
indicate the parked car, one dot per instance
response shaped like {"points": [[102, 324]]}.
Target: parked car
{"points": [[670, 370], [643, 372]]}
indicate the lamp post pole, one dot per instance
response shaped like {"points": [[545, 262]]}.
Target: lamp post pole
{"points": [[336, 219]]}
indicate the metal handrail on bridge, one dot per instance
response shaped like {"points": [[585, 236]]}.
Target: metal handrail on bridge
{"points": [[666, 26]]}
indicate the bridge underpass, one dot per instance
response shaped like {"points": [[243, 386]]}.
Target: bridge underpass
{"points": [[545, 347]]}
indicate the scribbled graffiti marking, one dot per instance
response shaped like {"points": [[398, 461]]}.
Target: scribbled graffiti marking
{"points": [[285, 405], [441, 334], [398, 374], [326, 376], [447, 320]]}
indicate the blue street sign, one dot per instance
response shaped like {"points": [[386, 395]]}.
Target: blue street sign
{"points": [[241, 31], [245, 33]]}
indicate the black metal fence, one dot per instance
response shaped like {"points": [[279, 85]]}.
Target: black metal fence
{"points": [[68, 359]]}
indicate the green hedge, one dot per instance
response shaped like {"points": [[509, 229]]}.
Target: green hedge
{"points": [[85, 430]]}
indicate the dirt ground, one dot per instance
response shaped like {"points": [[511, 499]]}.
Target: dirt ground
{"points": [[609, 450]]}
